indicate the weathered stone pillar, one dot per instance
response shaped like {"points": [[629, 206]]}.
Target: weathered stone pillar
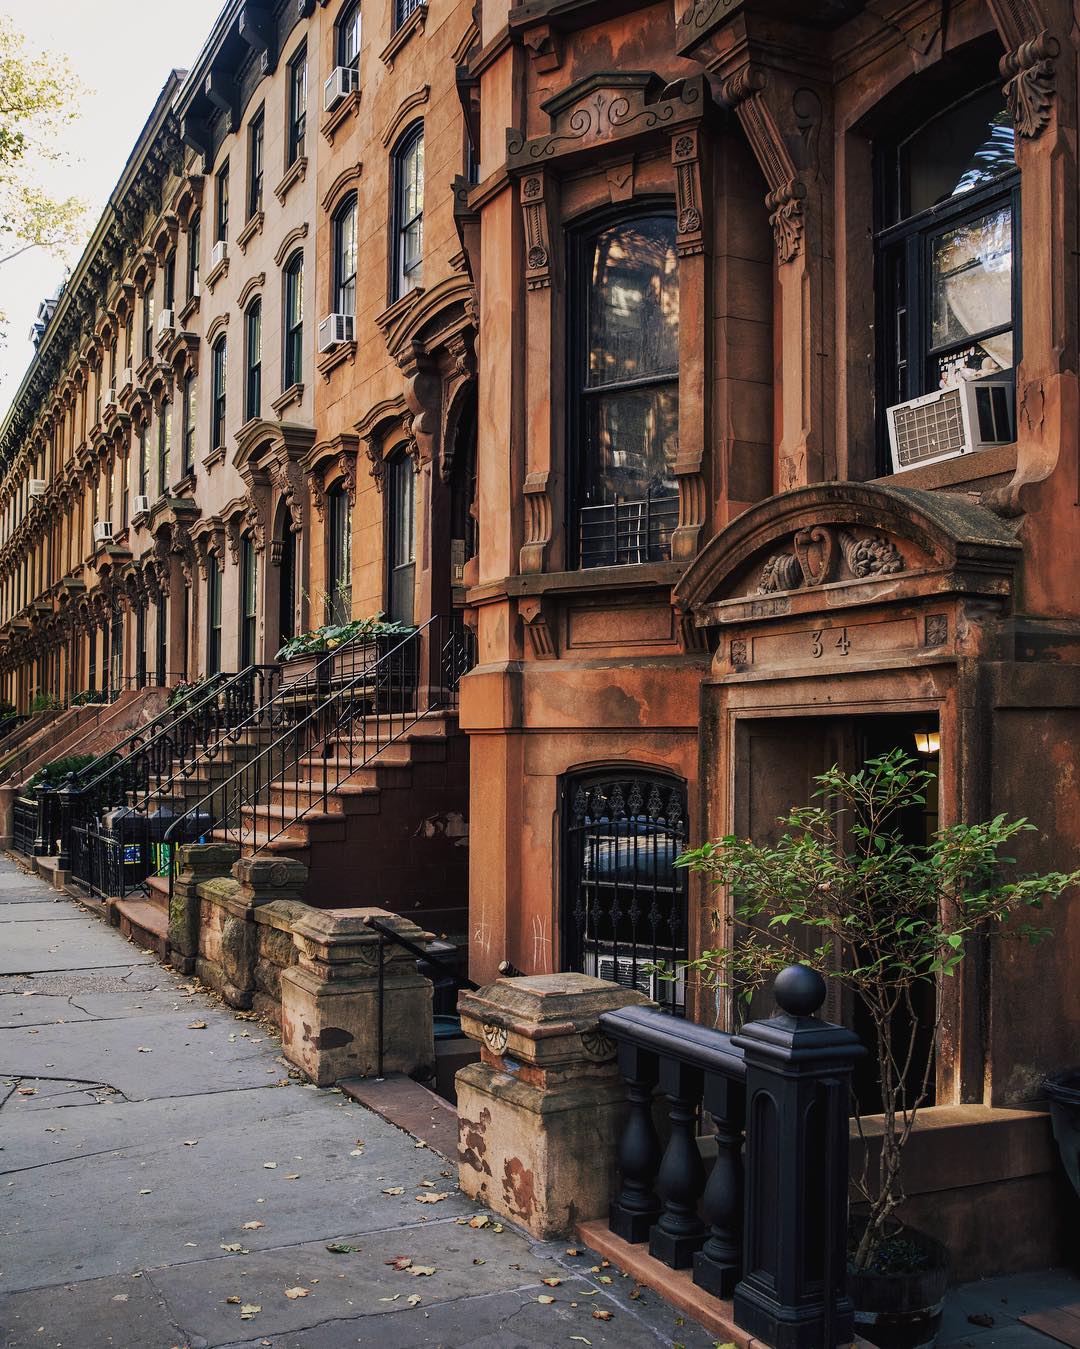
{"points": [[198, 862], [541, 1113], [330, 1012]]}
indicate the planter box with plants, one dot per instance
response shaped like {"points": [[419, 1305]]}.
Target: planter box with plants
{"points": [[359, 643], [845, 892]]}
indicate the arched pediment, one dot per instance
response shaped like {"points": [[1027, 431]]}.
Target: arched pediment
{"points": [[440, 312], [833, 534], [284, 441]]}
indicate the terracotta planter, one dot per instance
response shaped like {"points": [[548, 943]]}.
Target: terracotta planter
{"points": [[902, 1310]]}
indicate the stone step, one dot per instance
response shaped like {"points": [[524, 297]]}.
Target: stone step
{"points": [[144, 922], [348, 799]]}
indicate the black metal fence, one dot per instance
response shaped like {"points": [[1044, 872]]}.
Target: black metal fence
{"points": [[768, 1225], [25, 824]]}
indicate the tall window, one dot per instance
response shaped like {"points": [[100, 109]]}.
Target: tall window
{"points": [[221, 203], [253, 373], [339, 556], [348, 37], [213, 615], [248, 600], [345, 257], [125, 484], [255, 163], [164, 446], [148, 323], [293, 306], [168, 290], [190, 401], [297, 128], [144, 467], [948, 212], [194, 249], [129, 349], [219, 361], [401, 537], [408, 211], [625, 404]]}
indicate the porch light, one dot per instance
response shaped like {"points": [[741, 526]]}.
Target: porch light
{"points": [[927, 742]]}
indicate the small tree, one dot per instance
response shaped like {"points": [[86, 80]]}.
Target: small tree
{"points": [[844, 892]]}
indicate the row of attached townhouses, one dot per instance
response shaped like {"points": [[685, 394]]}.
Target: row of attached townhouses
{"points": [[702, 378]]}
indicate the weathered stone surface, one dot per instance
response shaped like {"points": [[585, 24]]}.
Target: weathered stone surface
{"points": [[540, 1114], [199, 862]]}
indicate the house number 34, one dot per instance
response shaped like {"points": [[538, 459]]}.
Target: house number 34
{"points": [[822, 637]]}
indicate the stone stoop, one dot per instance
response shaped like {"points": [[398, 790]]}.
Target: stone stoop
{"points": [[144, 919]]}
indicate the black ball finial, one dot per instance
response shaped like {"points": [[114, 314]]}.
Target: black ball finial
{"points": [[799, 990]]}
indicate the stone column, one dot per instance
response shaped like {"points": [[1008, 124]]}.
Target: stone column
{"points": [[330, 1000], [541, 1113], [198, 862]]}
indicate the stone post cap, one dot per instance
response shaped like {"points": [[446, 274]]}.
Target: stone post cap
{"points": [[270, 874], [207, 859], [545, 1019], [342, 937]]}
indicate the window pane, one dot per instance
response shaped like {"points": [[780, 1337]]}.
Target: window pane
{"points": [[633, 322], [961, 149], [971, 280]]}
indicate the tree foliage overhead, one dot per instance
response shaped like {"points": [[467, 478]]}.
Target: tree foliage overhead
{"points": [[38, 98]]}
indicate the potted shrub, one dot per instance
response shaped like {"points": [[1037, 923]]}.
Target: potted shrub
{"points": [[843, 891], [44, 702], [305, 655]]}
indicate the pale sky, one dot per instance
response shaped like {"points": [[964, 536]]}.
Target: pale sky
{"points": [[121, 52]]}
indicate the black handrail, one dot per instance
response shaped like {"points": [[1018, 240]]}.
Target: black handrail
{"points": [[388, 691]]}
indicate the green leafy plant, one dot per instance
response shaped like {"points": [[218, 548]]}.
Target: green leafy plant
{"points": [[55, 774], [88, 697], [332, 635], [187, 692], [844, 891], [44, 702], [7, 710]]}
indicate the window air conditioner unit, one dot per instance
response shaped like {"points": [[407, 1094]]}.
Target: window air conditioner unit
{"points": [[127, 378], [142, 505], [334, 329], [108, 399], [343, 80], [621, 970], [165, 323], [36, 487], [103, 531], [972, 416], [219, 253]]}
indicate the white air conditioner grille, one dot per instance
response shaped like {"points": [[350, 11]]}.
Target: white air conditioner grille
{"points": [[36, 487], [335, 329], [142, 505], [929, 430]]}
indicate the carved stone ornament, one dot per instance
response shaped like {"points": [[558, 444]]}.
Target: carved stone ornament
{"points": [[811, 561], [495, 1037], [1029, 82], [597, 1045]]}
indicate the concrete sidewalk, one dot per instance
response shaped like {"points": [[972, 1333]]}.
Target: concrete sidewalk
{"points": [[165, 1182]]}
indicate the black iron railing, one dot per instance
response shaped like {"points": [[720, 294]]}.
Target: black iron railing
{"points": [[24, 824], [76, 813], [624, 532], [375, 691], [768, 1225]]}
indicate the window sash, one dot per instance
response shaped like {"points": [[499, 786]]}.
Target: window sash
{"points": [[255, 166], [348, 38], [298, 79], [164, 446], [222, 203], [294, 322], [193, 258], [217, 425], [345, 260], [253, 394]]}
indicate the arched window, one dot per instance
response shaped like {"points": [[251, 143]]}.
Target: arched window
{"points": [[348, 37], [219, 367], [400, 537], [253, 361], [408, 219], [213, 615], [623, 899], [948, 292], [249, 598], [625, 394], [293, 313], [344, 298], [338, 555]]}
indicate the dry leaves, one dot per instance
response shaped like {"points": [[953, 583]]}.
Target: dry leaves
{"points": [[250, 1309], [431, 1198], [196, 1025], [252, 1226], [395, 1189], [269, 1166], [294, 1293], [191, 1142], [600, 1315], [341, 1248], [545, 1299], [399, 1262]]}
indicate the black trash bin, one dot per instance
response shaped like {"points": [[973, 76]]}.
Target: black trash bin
{"points": [[140, 839], [1063, 1089]]}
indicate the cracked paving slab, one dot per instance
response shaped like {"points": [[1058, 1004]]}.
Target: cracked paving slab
{"points": [[133, 1149]]}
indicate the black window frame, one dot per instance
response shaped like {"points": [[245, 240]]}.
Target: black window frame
{"points": [[580, 247], [903, 252], [194, 254], [248, 581], [221, 203], [213, 615], [351, 13], [338, 554], [253, 359], [164, 446], [345, 283], [296, 119], [188, 429], [168, 286], [404, 10], [292, 331], [399, 274], [219, 375], [144, 463], [148, 323], [256, 163]]}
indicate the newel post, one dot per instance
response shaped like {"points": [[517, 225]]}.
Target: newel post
{"points": [[798, 1075]]}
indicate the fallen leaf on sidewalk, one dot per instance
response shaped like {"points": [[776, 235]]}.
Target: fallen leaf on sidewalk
{"points": [[28, 1091], [395, 1189], [145, 1049], [252, 1226], [481, 1220], [196, 1025], [390, 1299], [250, 1309], [552, 1283], [292, 1175], [233, 1301], [421, 1271], [415, 1300], [580, 1339], [545, 1299], [294, 1293], [146, 1192], [232, 1247], [600, 1315], [357, 1152], [430, 1198], [191, 1142], [399, 1262], [341, 1248]]}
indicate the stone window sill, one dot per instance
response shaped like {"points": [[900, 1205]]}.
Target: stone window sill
{"points": [[644, 575], [295, 173], [413, 24], [293, 394], [189, 310], [216, 273], [214, 457], [349, 106], [965, 468], [338, 355], [254, 226]]}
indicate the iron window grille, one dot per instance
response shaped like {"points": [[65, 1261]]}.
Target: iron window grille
{"points": [[624, 906]]}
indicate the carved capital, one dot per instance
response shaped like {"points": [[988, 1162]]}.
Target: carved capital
{"points": [[537, 230], [686, 161], [1029, 77]]}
